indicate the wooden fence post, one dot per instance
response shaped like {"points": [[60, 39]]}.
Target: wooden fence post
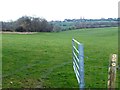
{"points": [[112, 72]]}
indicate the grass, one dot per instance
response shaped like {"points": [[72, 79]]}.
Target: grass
{"points": [[44, 60]]}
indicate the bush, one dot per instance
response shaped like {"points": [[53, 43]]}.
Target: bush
{"points": [[20, 29]]}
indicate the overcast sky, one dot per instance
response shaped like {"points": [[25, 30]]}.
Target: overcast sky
{"points": [[58, 9]]}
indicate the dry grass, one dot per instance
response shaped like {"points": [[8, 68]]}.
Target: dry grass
{"points": [[18, 32]]}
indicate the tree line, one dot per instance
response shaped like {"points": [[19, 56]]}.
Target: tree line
{"points": [[36, 24], [28, 24]]}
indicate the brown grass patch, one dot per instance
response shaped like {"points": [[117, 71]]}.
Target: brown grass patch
{"points": [[18, 32]]}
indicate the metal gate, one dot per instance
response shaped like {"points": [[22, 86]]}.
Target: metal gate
{"points": [[78, 62]]}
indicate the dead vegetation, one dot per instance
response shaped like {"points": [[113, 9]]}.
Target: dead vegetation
{"points": [[18, 32]]}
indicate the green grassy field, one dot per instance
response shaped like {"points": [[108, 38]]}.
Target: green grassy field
{"points": [[45, 59]]}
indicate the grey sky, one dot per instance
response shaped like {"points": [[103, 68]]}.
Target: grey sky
{"points": [[58, 9]]}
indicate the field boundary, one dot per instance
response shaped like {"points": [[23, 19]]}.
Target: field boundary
{"points": [[18, 32]]}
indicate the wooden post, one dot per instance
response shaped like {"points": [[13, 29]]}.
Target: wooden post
{"points": [[112, 72]]}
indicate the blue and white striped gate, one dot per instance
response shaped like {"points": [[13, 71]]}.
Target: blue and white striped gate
{"points": [[78, 62]]}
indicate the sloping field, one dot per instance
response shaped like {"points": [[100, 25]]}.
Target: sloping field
{"points": [[45, 59]]}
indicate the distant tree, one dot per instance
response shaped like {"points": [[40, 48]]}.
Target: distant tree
{"points": [[49, 27], [20, 29], [24, 23], [57, 28], [1, 23], [35, 24]]}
